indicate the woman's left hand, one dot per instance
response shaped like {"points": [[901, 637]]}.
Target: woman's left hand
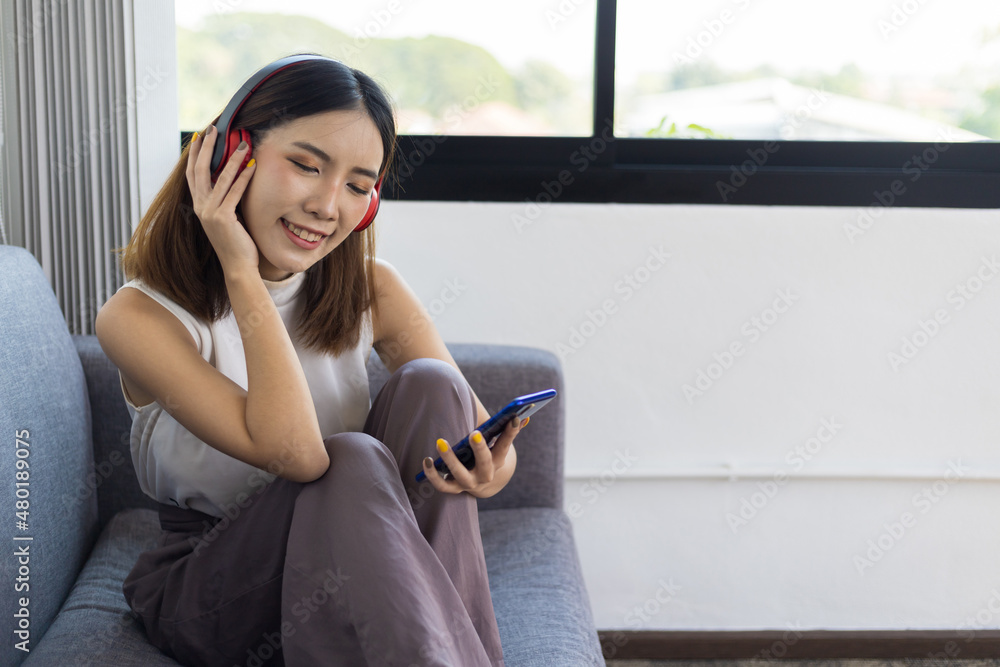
{"points": [[480, 480]]}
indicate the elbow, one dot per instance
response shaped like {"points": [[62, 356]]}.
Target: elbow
{"points": [[306, 468]]}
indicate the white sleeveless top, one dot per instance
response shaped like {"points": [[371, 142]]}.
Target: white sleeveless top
{"points": [[176, 468]]}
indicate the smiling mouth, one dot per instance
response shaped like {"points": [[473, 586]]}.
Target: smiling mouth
{"points": [[301, 233]]}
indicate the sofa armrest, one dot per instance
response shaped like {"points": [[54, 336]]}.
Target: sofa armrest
{"points": [[498, 373], [50, 516]]}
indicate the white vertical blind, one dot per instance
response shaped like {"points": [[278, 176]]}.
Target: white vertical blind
{"points": [[70, 104]]}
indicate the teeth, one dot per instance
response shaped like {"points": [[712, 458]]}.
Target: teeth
{"points": [[301, 233]]}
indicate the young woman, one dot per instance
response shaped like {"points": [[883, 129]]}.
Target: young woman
{"points": [[293, 531]]}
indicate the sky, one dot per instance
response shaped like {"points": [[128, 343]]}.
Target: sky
{"points": [[881, 36]]}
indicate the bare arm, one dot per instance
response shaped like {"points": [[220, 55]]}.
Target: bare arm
{"points": [[280, 412]]}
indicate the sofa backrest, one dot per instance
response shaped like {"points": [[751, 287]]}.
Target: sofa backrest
{"points": [[50, 513], [497, 373]]}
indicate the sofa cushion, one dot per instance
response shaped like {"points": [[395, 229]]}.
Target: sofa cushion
{"points": [[538, 594], [95, 626]]}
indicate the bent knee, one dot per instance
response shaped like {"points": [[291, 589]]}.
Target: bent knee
{"points": [[430, 372], [352, 450]]}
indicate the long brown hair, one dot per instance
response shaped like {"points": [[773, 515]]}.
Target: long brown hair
{"points": [[170, 252]]}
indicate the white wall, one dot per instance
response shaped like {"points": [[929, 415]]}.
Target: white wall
{"points": [[756, 503]]}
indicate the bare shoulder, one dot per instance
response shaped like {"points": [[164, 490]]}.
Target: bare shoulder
{"points": [[130, 310], [130, 322], [389, 287], [387, 278]]}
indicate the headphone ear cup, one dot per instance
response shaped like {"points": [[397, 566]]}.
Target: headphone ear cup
{"points": [[373, 205], [232, 142]]}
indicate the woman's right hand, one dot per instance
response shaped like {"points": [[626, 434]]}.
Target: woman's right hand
{"points": [[215, 205]]}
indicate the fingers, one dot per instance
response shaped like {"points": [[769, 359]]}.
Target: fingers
{"points": [[460, 477], [487, 461], [435, 478], [199, 159], [235, 192], [230, 186], [510, 432], [200, 151], [194, 147]]}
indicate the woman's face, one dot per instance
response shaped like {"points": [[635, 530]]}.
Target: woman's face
{"points": [[314, 179]]}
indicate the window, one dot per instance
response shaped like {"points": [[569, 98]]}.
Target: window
{"points": [[877, 103]]}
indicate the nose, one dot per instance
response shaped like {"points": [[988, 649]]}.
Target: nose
{"points": [[323, 202]]}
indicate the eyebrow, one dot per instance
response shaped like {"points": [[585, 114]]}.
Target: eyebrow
{"points": [[321, 154]]}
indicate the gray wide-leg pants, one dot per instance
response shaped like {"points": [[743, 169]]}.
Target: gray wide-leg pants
{"points": [[363, 566]]}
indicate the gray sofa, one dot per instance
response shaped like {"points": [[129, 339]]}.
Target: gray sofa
{"points": [[83, 519]]}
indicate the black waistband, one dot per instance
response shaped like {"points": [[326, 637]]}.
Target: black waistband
{"points": [[185, 520]]}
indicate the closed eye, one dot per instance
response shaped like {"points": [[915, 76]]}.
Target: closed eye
{"points": [[312, 170], [309, 170]]}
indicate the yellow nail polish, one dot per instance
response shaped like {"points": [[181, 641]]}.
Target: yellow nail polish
{"points": [[251, 162], [442, 445], [194, 138], [477, 438], [525, 422]]}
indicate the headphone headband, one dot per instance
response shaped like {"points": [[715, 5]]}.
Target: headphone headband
{"points": [[248, 87]]}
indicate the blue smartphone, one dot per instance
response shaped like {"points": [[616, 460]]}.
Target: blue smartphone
{"points": [[520, 408]]}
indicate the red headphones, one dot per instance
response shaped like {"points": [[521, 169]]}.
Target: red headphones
{"points": [[228, 138]]}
